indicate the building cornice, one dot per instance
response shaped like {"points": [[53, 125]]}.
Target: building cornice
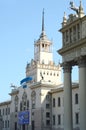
{"points": [[69, 47], [5, 103], [43, 84], [14, 92], [71, 24], [61, 89]]}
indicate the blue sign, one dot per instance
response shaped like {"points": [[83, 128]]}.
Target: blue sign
{"points": [[23, 117]]}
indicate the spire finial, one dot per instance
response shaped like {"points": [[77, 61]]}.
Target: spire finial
{"points": [[43, 20], [81, 11], [64, 20]]}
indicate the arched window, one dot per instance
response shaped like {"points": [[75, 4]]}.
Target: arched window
{"points": [[33, 98], [24, 104], [24, 97], [16, 103], [24, 101]]}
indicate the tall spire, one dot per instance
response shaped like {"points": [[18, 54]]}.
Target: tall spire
{"points": [[43, 35], [43, 20]]}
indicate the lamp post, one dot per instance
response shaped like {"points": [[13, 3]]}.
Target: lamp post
{"points": [[1, 122]]}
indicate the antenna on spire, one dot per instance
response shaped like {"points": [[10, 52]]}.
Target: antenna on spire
{"points": [[43, 20]]}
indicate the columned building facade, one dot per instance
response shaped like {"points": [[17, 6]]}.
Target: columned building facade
{"points": [[73, 53], [42, 102]]}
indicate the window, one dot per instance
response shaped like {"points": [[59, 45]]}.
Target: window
{"points": [[16, 109], [3, 111], [47, 105], [6, 111], [42, 45], [20, 106], [0, 111], [53, 102], [47, 97], [78, 30], [42, 61], [48, 122], [74, 33], [15, 115], [24, 104], [8, 123], [76, 98], [51, 73], [59, 102], [27, 104], [64, 38], [33, 98], [57, 74], [33, 113], [33, 104], [77, 118], [53, 119], [59, 119], [16, 103], [54, 74], [47, 114], [5, 124], [44, 73], [24, 97]]}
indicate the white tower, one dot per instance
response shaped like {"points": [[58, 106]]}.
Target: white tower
{"points": [[42, 66], [43, 47]]}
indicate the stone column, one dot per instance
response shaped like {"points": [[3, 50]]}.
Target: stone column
{"points": [[68, 125], [82, 93]]}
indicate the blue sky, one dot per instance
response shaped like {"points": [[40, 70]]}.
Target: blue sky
{"points": [[20, 25]]}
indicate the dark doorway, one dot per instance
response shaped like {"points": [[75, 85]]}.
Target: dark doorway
{"points": [[15, 125], [33, 125], [23, 127]]}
